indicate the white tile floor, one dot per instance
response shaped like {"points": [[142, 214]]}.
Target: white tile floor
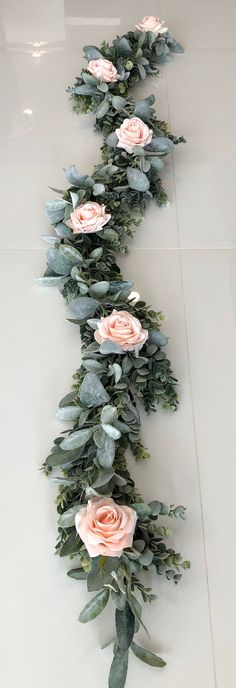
{"points": [[183, 260]]}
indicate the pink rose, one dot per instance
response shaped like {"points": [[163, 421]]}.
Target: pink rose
{"points": [[123, 328], [88, 217], [133, 132], [106, 527], [103, 70], [153, 24]]}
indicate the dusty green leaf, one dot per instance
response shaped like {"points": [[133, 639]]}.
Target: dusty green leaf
{"points": [[118, 670], [77, 439], [147, 657], [94, 606]]}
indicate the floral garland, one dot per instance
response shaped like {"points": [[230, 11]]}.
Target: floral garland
{"points": [[103, 521]]}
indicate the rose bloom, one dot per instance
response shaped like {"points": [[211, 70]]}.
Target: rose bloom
{"points": [[122, 328], [88, 217], [103, 70], [133, 132], [106, 527], [153, 24]]}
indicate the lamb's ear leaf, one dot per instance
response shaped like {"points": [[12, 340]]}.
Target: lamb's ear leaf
{"points": [[137, 180], [125, 622], [118, 670], [83, 307], [92, 393]]}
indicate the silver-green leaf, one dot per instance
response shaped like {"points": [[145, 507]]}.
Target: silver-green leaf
{"points": [[147, 657], [94, 606], [77, 439], [137, 180], [92, 393]]}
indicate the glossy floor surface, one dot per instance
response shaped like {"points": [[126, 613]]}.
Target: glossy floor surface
{"points": [[183, 261]]}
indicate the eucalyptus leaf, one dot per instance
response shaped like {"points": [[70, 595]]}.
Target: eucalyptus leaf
{"points": [[112, 140], [142, 71], [102, 109], [147, 656], [63, 458], [67, 519], [161, 145], [71, 545], [103, 87], [142, 509], [156, 337], [78, 574], [108, 170], [123, 47], [92, 53], [119, 599], [176, 47], [110, 347], [55, 210], [74, 199], [103, 478], [155, 507], [62, 231], [67, 399], [85, 90], [94, 606], [157, 164], [89, 79], [100, 572], [146, 557], [118, 102], [93, 322]]}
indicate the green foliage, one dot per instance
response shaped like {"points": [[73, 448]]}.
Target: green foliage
{"points": [[118, 670], [94, 606], [91, 457], [125, 622], [147, 656]]}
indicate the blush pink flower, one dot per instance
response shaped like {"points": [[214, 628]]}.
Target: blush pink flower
{"points": [[122, 328], [106, 527], [133, 132], [103, 70], [88, 217], [153, 24]]}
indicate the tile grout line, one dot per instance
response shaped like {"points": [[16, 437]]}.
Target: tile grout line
{"points": [[179, 249], [194, 423]]}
